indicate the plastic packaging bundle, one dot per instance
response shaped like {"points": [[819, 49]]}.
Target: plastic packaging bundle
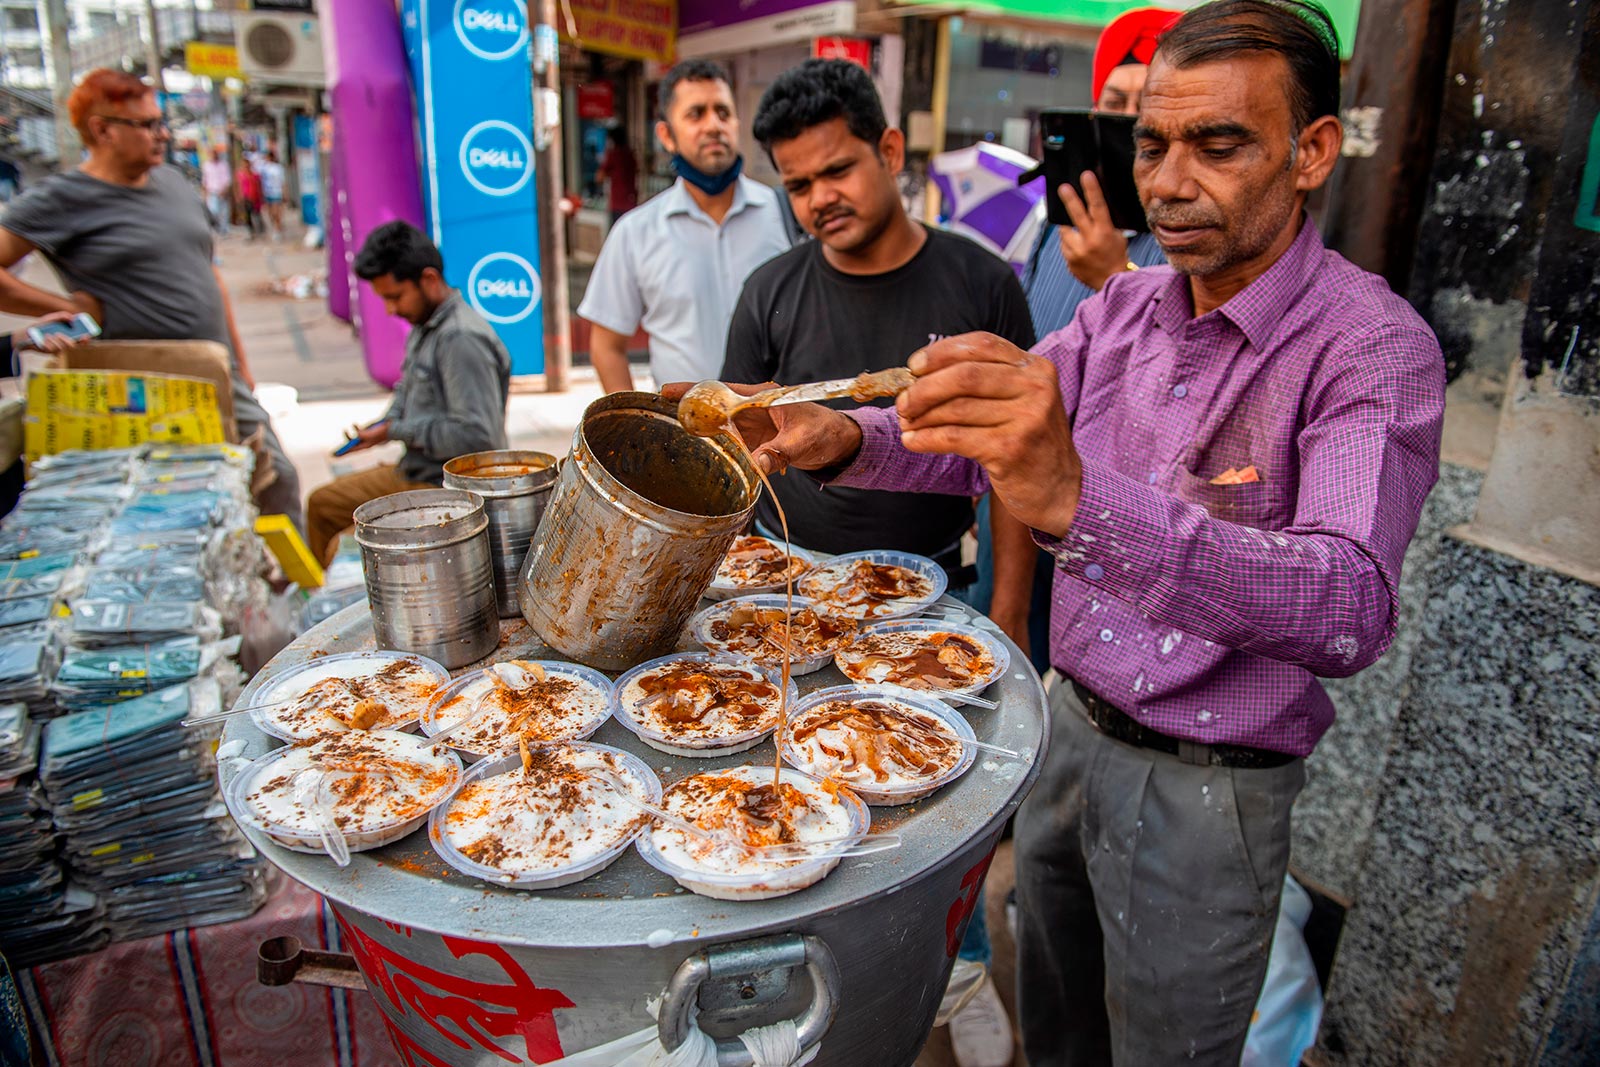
{"points": [[37, 921], [113, 568], [343, 583], [27, 667], [91, 677], [134, 794]]}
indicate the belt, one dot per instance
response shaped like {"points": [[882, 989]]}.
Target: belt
{"points": [[1116, 723]]}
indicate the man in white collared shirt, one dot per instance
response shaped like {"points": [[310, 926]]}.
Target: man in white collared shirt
{"points": [[676, 264]]}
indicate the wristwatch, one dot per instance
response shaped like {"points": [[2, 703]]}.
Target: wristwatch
{"points": [[1130, 265]]}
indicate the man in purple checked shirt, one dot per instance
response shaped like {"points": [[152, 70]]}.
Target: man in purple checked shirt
{"points": [[1194, 607]]}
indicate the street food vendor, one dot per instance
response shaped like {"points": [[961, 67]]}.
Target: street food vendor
{"points": [[1226, 458]]}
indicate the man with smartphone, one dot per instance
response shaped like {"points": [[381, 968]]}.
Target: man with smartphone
{"points": [[130, 238], [1226, 459], [451, 398]]}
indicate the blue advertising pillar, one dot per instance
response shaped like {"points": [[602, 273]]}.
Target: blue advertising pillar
{"points": [[473, 74]]}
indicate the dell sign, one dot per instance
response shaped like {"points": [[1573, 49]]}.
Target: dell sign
{"points": [[491, 29], [504, 288], [471, 67], [496, 158]]}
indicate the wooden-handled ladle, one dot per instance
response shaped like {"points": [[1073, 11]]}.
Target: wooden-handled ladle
{"points": [[707, 408]]}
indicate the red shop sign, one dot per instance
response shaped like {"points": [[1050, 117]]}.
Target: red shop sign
{"points": [[857, 50], [597, 100]]}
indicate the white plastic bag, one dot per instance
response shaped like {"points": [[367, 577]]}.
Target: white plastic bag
{"points": [[1289, 1009], [771, 1046]]}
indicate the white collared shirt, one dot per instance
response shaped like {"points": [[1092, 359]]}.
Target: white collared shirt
{"points": [[668, 267]]}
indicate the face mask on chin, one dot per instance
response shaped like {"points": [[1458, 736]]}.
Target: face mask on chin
{"points": [[710, 184]]}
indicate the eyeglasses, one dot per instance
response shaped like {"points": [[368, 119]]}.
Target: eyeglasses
{"points": [[150, 126]]}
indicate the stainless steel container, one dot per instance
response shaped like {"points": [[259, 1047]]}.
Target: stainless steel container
{"points": [[425, 554], [468, 973], [515, 486], [641, 516]]}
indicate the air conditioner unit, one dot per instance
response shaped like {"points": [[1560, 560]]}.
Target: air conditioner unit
{"points": [[283, 49]]}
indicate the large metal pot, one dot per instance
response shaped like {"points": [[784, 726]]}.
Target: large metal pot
{"points": [[641, 516], [515, 486], [472, 974], [425, 555]]}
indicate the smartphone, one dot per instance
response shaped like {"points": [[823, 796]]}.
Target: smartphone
{"points": [[351, 442], [1076, 140], [79, 326]]}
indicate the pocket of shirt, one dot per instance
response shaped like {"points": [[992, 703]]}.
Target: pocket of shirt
{"points": [[1259, 504]]}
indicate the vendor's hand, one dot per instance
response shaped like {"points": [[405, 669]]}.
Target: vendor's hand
{"points": [[808, 437], [1093, 248], [54, 343], [984, 398], [89, 304], [368, 436]]}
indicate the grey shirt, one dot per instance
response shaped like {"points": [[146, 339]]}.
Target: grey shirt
{"points": [[451, 397], [145, 253]]}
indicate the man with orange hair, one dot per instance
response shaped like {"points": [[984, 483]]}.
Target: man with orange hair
{"points": [[132, 244]]}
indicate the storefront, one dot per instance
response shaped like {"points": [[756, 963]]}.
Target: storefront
{"points": [[613, 54], [759, 41]]}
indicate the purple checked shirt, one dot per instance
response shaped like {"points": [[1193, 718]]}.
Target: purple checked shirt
{"points": [[1207, 611]]}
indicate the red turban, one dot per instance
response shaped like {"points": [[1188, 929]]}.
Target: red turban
{"points": [[1130, 38]]}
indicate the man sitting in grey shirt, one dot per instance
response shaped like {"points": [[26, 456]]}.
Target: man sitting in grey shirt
{"points": [[130, 239], [451, 399]]}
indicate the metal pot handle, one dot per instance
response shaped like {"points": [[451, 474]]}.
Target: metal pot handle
{"points": [[749, 958]]}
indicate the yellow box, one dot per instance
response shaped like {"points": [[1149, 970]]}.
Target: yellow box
{"points": [[117, 409]]}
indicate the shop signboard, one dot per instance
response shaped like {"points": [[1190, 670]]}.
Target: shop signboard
{"points": [[632, 29], [1100, 12], [713, 27], [857, 50], [471, 67], [597, 100], [216, 61]]}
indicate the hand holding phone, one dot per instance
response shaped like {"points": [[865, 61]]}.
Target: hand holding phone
{"points": [[1077, 140], [364, 437], [61, 332], [1093, 247]]}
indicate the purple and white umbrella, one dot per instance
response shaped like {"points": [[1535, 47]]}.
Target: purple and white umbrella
{"points": [[981, 199]]}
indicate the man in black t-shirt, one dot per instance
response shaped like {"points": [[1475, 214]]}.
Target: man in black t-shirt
{"points": [[874, 287]]}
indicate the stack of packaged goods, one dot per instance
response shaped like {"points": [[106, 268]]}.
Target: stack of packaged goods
{"points": [[134, 795], [42, 916], [144, 560]]}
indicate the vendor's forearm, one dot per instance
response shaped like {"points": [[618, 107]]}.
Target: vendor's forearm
{"points": [[608, 352], [17, 297]]}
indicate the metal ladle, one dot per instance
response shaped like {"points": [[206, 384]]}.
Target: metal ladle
{"points": [[709, 406]]}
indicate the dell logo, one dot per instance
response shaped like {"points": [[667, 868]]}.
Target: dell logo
{"points": [[491, 29], [496, 158], [504, 288]]}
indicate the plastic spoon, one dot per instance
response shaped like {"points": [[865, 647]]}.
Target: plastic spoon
{"points": [[309, 791], [985, 746], [471, 717], [201, 720]]}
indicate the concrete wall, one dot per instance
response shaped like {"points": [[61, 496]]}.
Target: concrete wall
{"points": [[1455, 805]]}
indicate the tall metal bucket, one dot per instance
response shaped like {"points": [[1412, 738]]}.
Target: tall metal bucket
{"points": [[425, 554], [640, 518], [515, 486]]}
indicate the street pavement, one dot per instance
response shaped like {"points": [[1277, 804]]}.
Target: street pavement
{"points": [[311, 378]]}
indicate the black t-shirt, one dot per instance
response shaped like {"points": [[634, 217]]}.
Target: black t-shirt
{"points": [[800, 320]]}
